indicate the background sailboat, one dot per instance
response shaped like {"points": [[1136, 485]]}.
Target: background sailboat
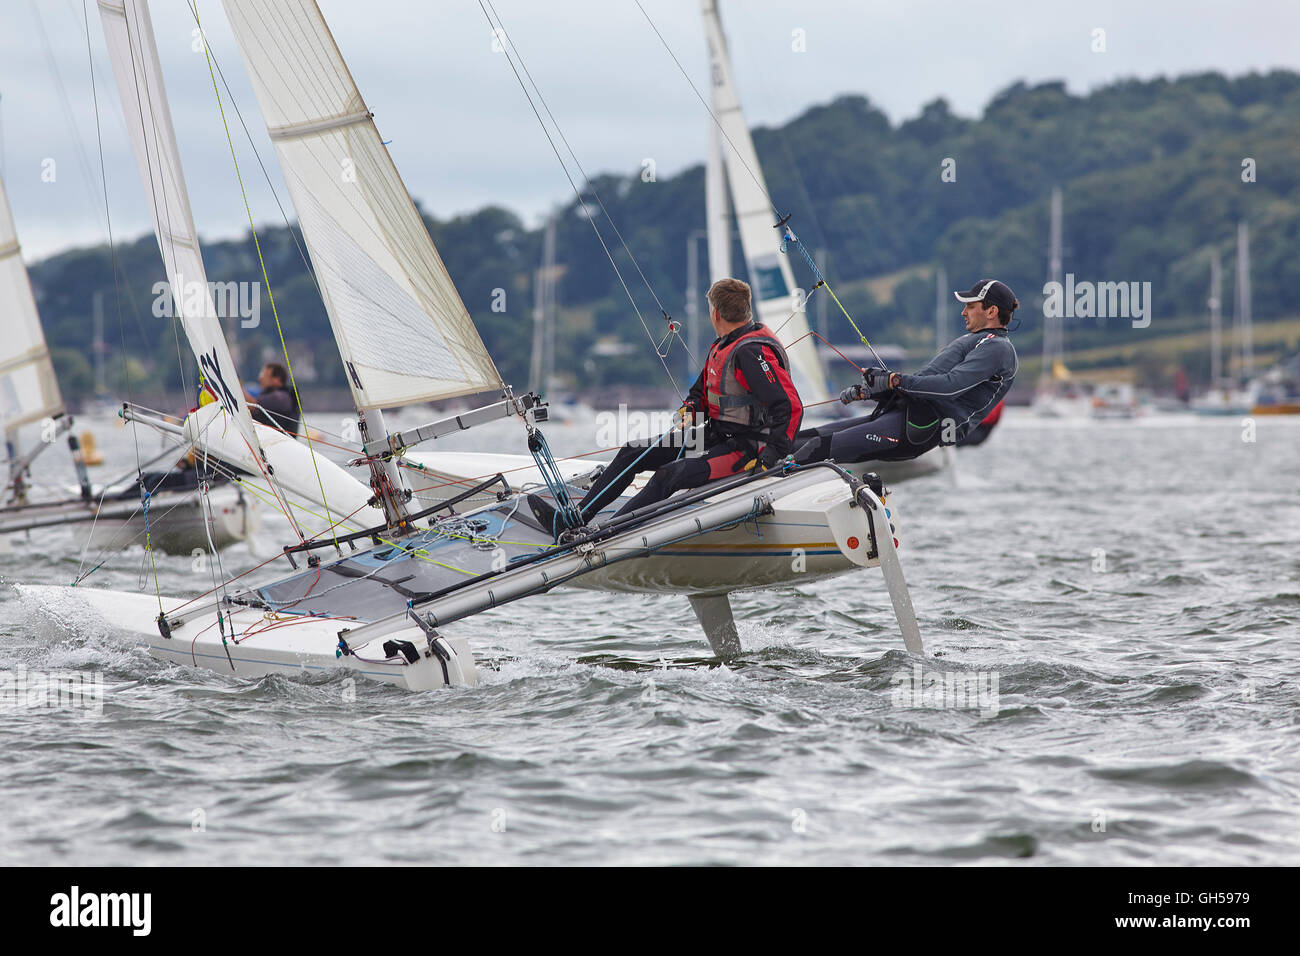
{"points": [[1057, 395], [734, 177], [1226, 394], [34, 418]]}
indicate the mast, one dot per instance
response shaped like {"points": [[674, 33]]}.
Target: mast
{"points": [[101, 387], [693, 301], [1241, 311], [549, 317], [541, 374], [1053, 326], [716, 205], [535, 363], [776, 302], [1216, 319]]}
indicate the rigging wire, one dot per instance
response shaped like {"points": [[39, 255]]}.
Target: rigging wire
{"points": [[501, 32], [782, 221]]}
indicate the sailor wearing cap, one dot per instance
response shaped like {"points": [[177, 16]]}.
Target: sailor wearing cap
{"points": [[941, 403]]}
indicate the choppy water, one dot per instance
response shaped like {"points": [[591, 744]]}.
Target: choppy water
{"points": [[1132, 588]]}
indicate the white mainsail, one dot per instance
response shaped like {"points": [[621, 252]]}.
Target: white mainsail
{"points": [[401, 327], [28, 389], [134, 54], [778, 305]]}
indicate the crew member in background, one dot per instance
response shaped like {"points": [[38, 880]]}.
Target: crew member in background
{"points": [[942, 403], [275, 404], [748, 403]]}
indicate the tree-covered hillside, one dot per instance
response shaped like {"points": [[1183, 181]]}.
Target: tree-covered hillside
{"points": [[1154, 173]]}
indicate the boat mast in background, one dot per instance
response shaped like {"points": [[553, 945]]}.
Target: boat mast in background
{"points": [[541, 377], [777, 303], [1241, 306], [1053, 326], [1216, 319]]}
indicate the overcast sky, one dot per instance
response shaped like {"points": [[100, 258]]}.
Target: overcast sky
{"points": [[463, 135]]}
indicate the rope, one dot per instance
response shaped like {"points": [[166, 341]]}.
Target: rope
{"points": [[822, 283], [565, 508], [647, 451]]}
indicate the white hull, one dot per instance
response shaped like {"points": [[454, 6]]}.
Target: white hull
{"points": [[1059, 406], [178, 522], [258, 648], [814, 527]]}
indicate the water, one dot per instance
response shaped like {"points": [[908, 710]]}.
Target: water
{"points": [[1132, 588]]}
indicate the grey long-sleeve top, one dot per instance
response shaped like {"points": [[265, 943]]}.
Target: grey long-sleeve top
{"points": [[966, 379]]}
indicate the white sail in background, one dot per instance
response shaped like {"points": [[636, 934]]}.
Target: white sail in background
{"points": [[778, 306], [134, 54], [28, 390], [403, 331]]}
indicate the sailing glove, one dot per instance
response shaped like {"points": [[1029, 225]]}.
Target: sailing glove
{"points": [[877, 380], [854, 393]]}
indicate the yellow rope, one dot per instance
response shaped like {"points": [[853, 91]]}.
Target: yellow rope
{"points": [[823, 284], [265, 278]]}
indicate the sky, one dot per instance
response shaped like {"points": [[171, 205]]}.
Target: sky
{"points": [[463, 136]]}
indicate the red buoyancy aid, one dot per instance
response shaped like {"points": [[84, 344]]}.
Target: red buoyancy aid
{"points": [[727, 400]]}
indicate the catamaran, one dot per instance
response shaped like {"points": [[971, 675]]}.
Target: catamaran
{"points": [[373, 587], [113, 513]]}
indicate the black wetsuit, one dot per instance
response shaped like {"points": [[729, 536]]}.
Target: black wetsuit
{"points": [[276, 407], [727, 447], [941, 404]]}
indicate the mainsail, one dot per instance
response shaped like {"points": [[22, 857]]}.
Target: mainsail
{"points": [[28, 389], [779, 306], [404, 334], [134, 53]]}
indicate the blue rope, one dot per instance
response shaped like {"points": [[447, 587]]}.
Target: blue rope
{"points": [[145, 495], [564, 506], [791, 237]]}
